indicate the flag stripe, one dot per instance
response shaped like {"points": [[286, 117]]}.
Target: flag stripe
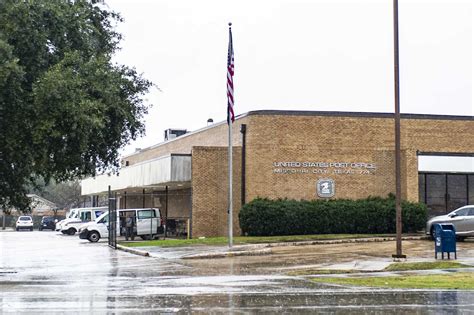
{"points": [[230, 80]]}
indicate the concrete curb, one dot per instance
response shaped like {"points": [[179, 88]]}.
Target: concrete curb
{"points": [[345, 241], [261, 252], [133, 251]]}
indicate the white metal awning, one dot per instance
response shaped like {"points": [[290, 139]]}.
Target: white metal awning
{"points": [[160, 171], [463, 164]]}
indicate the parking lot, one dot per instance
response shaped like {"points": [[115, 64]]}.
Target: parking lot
{"points": [[47, 271]]}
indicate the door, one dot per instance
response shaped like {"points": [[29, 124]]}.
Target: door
{"points": [[146, 222], [103, 226], [470, 221], [460, 221]]}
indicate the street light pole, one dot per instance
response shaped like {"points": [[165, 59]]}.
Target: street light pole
{"points": [[398, 198]]}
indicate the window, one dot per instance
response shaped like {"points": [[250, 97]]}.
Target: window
{"points": [[104, 219], [462, 212], [471, 212], [146, 214], [86, 216]]}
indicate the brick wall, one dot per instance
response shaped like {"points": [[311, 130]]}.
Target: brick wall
{"points": [[210, 190], [273, 138]]}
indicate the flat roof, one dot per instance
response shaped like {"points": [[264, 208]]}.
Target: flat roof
{"points": [[357, 114]]}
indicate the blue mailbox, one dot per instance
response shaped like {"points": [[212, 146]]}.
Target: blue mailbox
{"points": [[445, 239]]}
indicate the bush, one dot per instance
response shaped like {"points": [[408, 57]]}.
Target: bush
{"points": [[264, 217]]}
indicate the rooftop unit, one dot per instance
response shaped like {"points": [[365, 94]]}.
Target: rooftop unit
{"points": [[174, 133]]}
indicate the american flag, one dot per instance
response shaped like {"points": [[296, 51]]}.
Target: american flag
{"points": [[230, 79]]}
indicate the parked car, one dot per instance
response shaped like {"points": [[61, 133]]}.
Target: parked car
{"points": [[24, 222], [47, 223], [462, 219]]}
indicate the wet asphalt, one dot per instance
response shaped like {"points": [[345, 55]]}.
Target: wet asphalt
{"points": [[46, 272]]}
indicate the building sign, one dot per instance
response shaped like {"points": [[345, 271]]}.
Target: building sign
{"points": [[322, 168], [326, 188]]}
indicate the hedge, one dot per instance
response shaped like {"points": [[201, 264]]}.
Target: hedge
{"points": [[264, 217]]}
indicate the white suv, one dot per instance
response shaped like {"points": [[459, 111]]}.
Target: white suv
{"points": [[24, 222]]}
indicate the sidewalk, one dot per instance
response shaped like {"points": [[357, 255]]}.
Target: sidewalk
{"points": [[205, 251]]}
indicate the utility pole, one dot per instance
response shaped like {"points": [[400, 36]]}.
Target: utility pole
{"points": [[398, 197]]}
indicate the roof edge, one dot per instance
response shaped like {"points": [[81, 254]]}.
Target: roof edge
{"points": [[357, 114]]}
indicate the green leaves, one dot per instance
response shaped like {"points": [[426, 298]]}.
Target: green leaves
{"points": [[68, 109], [264, 217]]}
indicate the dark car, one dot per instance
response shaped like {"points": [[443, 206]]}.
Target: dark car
{"points": [[48, 223]]}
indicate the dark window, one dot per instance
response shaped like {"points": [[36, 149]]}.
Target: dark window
{"points": [[445, 192], [471, 189], [421, 188], [436, 193], [457, 191], [104, 219], [86, 216]]}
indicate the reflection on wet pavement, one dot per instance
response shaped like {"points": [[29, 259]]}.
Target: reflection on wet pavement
{"points": [[47, 272]]}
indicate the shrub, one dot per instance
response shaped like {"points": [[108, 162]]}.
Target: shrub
{"points": [[264, 217]]}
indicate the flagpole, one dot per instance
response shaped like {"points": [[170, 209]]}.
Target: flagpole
{"points": [[230, 186], [230, 120]]}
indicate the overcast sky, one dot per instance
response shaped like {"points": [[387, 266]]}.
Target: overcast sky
{"points": [[328, 55]]}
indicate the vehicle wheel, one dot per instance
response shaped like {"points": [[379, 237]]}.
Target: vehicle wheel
{"points": [[64, 232], [71, 231], [93, 237], [17, 229], [145, 237]]}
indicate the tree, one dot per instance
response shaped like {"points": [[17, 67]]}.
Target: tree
{"points": [[65, 108], [65, 195]]}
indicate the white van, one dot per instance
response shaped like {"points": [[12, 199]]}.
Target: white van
{"points": [[78, 217], [148, 224]]}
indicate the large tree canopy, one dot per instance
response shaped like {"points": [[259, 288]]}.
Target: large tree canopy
{"points": [[65, 108]]}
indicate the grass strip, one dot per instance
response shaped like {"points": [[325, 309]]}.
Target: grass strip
{"points": [[309, 272], [404, 266], [460, 281], [240, 240]]}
